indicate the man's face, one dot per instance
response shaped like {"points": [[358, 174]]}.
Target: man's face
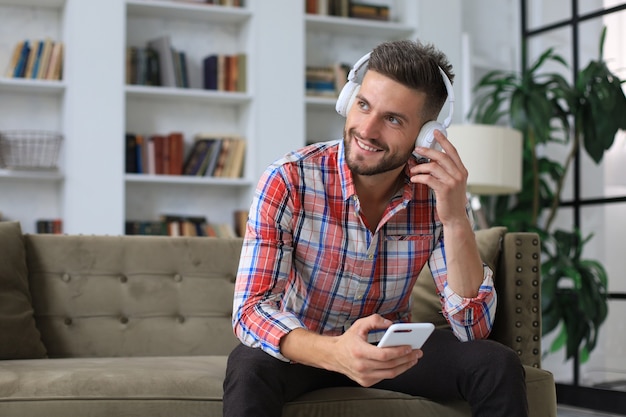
{"points": [[382, 125]]}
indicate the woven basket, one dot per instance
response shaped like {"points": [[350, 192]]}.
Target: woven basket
{"points": [[29, 149]]}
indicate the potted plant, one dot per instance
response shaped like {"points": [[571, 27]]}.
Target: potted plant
{"points": [[585, 115]]}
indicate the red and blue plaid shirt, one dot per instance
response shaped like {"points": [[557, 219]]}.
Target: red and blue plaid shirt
{"points": [[309, 259]]}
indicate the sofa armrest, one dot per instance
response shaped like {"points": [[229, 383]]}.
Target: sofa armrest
{"points": [[518, 283]]}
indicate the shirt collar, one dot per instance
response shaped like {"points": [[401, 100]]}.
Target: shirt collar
{"points": [[347, 181]]}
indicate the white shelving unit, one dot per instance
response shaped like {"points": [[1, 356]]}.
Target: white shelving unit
{"points": [[199, 30], [94, 108], [332, 39], [27, 104]]}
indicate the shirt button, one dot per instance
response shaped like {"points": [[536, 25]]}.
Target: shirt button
{"points": [[370, 256], [358, 297]]}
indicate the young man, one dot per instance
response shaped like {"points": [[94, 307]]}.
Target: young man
{"points": [[337, 235]]}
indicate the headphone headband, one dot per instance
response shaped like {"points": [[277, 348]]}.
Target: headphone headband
{"points": [[346, 97]]}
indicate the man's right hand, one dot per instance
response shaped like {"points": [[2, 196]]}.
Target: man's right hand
{"points": [[350, 353]]}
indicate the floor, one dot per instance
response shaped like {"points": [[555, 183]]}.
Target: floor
{"points": [[568, 411]]}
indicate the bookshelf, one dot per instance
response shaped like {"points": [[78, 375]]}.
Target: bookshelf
{"points": [[333, 39], [30, 104], [199, 30], [94, 107]]}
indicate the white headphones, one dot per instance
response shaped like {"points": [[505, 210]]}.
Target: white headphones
{"points": [[426, 136]]}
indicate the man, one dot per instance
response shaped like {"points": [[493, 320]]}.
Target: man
{"points": [[337, 235]]}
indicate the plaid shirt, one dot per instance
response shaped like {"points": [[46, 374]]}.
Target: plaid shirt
{"points": [[309, 259]]}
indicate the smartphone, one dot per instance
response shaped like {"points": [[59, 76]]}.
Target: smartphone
{"points": [[413, 334]]}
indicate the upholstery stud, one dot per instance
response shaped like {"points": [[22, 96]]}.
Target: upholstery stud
{"points": [[518, 324], [66, 277], [123, 279], [180, 319], [518, 282], [67, 321], [518, 255], [178, 278], [518, 296], [518, 310], [519, 269], [535, 282], [535, 324], [124, 320], [535, 296]]}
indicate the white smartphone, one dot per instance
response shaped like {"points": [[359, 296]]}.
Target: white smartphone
{"points": [[413, 334]]}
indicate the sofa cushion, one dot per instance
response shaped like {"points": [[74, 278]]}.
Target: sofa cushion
{"points": [[426, 304], [144, 386], [19, 337]]}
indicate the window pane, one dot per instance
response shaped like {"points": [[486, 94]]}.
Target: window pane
{"points": [[543, 13]]}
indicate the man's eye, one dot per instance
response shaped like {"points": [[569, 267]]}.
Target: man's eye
{"points": [[362, 105], [393, 120]]}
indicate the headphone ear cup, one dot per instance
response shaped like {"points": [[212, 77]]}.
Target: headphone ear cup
{"points": [[426, 136], [346, 97]]}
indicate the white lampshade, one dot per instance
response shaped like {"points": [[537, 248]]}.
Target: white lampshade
{"points": [[492, 156]]}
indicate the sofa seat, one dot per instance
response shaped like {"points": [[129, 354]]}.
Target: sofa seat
{"points": [[189, 386], [130, 386]]}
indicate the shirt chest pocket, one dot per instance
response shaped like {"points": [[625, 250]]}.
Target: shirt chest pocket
{"points": [[413, 250]]}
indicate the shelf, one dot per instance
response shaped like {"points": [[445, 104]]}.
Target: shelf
{"points": [[206, 96], [187, 11], [321, 102], [41, 175], [187, 180], [25, 85], [361, 27]]}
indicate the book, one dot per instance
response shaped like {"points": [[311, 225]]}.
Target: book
{"points": [[197, 156], [209, 72], [34, 73], [159, 142], [20, 67], [176, 144], [241, 72], [131, 153], [368, 11], [163, 47], [32, 57], [46, 52], [56, 62], [15, 57], [234, 163]]}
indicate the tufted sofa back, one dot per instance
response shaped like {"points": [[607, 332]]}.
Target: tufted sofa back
{"points": [[108, 296]]}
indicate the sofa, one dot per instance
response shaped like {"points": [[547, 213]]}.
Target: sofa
{"points": [[141, 326]]}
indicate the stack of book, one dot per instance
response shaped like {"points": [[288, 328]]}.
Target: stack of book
{"points": [[224, 72], [326, 81], [348, 8], [209, 156], [180, 225], [37, 60], [221, 157], [157, 154], [49, 226], [157, 64]]}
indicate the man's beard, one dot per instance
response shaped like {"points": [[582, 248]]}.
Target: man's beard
{"points": [[387, 163]]}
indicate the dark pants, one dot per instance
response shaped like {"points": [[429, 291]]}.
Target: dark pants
{"points": [[487, 374]]}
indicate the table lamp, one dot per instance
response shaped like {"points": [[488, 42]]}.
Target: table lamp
{"points": [[493, 158]]}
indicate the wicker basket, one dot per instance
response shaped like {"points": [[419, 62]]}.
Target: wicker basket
{"points": [[29, 149]]}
